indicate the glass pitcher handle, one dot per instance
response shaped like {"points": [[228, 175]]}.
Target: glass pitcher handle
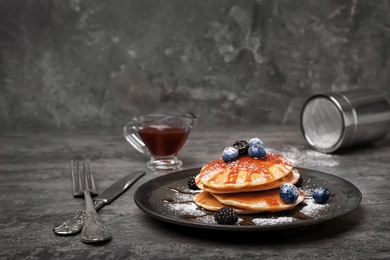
{"points": [[132, 136]]}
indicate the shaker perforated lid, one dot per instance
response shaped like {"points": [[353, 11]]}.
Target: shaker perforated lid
{"points": [[334, 121]]}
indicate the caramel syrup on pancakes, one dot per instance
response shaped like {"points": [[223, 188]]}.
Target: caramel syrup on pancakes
{"points": [[248, 163]]}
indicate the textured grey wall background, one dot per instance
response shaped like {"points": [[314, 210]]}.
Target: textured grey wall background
{"points": [[78, 63]]}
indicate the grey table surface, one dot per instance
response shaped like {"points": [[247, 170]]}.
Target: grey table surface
{"points": [[35, 194]]}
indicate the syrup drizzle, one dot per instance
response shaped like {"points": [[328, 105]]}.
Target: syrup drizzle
{"points": [[253, 165]]}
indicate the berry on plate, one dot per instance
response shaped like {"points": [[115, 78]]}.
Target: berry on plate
{"points": [[289, 193], [226, 216], [191, 183], [321, 195]]}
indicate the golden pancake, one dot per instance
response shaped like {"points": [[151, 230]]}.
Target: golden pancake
{"points": [[292, 178], [258, 201], [244, 172], [207, 201]]}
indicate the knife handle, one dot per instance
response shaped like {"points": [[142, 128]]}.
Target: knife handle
{"points": [[75, 224]]}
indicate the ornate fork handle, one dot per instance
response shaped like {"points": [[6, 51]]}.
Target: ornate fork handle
{"points": [[75, 223], [94, 229]]}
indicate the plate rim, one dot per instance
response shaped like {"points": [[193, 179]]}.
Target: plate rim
{"points": [[278, 227]]}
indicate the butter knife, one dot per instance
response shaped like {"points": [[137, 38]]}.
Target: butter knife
{"points": [[75, 223]]}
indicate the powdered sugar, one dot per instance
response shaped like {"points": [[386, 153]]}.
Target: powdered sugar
{"points": [[303, 157], [184, 206], [312, 208], [273, 221]]}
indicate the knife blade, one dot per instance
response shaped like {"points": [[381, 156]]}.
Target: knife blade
{"points": [[75, 223]]}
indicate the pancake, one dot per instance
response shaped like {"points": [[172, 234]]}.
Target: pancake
{"points": [[245, 172], [258, 201], [292, 178], [207, 201]]}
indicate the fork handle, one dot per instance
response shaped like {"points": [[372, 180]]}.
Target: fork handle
{"points": [[74, 224], [94, 230]]}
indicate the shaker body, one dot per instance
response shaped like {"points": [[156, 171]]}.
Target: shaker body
{"points": [[337, 120], [373, 115]]}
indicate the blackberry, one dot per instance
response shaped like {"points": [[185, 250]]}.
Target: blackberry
{"points": [[299, 182], [226, 216], [191, 183], [242, 146]]}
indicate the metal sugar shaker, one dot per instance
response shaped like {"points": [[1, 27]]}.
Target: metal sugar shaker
{"points": [[334, 121]]}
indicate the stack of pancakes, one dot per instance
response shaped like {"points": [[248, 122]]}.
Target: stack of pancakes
{"points": [[248, 185]]}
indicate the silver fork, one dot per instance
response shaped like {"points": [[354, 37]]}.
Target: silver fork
{"points": [[94, 230]]}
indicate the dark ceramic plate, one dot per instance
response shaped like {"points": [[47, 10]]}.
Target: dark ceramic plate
{"points": [[169, 199]]}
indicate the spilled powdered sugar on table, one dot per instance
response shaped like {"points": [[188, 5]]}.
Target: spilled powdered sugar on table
{"points": [[307, 158]]}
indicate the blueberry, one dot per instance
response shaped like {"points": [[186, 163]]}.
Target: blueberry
{"points": [[257, 151], [289, 193], [255, 141], [229, 154], [321, 195]]}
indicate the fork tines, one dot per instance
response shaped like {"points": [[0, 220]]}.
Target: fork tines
{"points": [[82, 178]]}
